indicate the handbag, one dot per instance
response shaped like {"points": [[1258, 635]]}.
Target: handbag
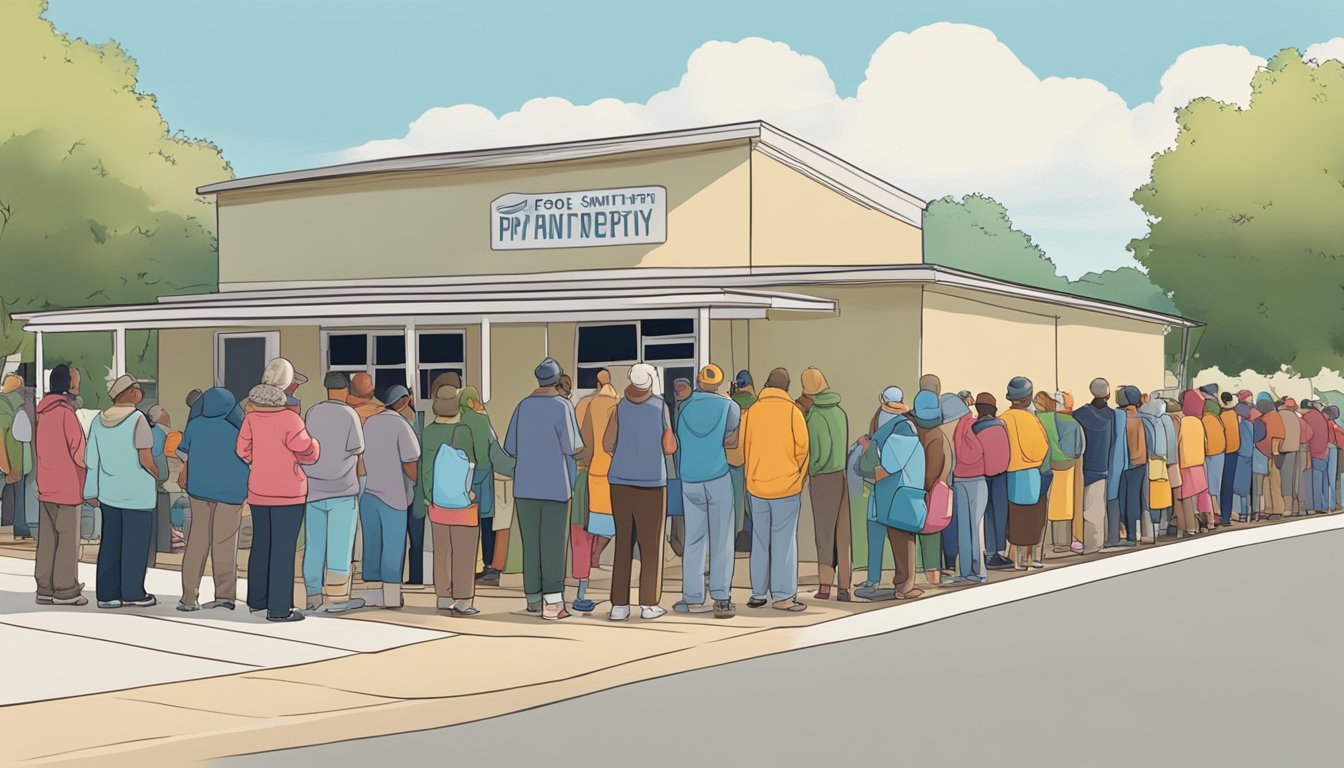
{"points": [[940, 509], [1024, 486], [601, 524], [467, 516]]}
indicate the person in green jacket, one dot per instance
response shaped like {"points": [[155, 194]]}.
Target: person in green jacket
{"points": [[828, 443], [483, 483], [743, 393], [455, 546]]}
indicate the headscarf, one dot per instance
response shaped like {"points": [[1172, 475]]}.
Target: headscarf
{"points": [[1192, 403]]}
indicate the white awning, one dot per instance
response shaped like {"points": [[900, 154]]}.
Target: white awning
{"points": [[428, 307]]}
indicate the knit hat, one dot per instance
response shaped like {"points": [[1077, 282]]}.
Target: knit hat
{"points": [[1019, 388], [1244, 395], [1121, 397], [778, 379], [814, 381], [1209, 390], [336, 380], [192, 397], [642, 376], [1290, 403], [1100, 388], [447, 401], [547, 373], [1332, 412], [953, 407], [1132, 395], [743, 379], [123, 383], [279, 373], [985, 398], [893, 395], [711, 375], [361, 385], [156, 412], [395, 393], [930, 383], [926, 411], [964, 394]]}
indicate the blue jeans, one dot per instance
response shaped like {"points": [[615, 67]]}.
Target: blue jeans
{"points": [[1132, 481], [329, 544], [739, 478], [710, 524], [485, 499], [123, 553], [384, 539], [774, 546], [970, 498], [1320, 485], [996, 514]]}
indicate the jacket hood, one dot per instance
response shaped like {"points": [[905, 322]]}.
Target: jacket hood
{"points": [[702, 413], [116, 414], [775, 393], [636, 395], [52, 402], [217, 402], [1153, 408], [827, 399], [266, 396], [1192, 403]]}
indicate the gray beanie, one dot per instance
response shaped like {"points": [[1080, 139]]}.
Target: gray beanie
{"points": [[1100, 388], [1019, 388], [548, 373], [953, 407]]}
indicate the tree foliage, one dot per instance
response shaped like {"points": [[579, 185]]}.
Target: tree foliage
{"points": [[97, 198], [1245, 226]]}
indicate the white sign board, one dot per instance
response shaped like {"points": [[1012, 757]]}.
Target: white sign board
{"points": [[594, 217]]}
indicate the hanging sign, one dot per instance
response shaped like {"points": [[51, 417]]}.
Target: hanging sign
{"points": [[595, 217]]}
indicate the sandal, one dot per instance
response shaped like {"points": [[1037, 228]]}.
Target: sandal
{"points": [[842, 596], [911, 595], [824, 593], [793, 607], [1061, 550]]}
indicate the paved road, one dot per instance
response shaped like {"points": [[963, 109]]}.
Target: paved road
{"points": [[1227, 660]]}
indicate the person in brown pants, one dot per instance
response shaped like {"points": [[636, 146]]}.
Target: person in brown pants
{"points": [[903, 555], [638, 437], [455, 549], [59, 450], [214, 527]]}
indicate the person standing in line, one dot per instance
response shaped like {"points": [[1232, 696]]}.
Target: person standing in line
{"points": [[891, 406], [594, 414], [1319, 449], [993, 435], [121, 480], [391, 469], [16, 401], [60, 448], [900, 464], [398, 400], [638, 438], [1215, 451], [953, 408], [707, 428], [928, 418], [1099, 434], [1194, 493], [1290, 466], [543, 436], [216, 488], [1231, 424], [776, 452], [332, 509], [828, 439], [1243, 483], [1028, 491], [1271, 446], [1066, 442], [676, 517], [447, 475], [1158, 429], [1135, 474], [483, 482], [743, 393], [1336, 440], [11, 456], [970, 498], [275, 444], [928, 546]]}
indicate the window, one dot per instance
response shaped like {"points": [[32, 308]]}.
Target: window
{"points": [[240, 359], [662, 342], [382, 355], [439, 352]]}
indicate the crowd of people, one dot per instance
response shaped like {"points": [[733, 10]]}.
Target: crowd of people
{"points": [[954, 485]]}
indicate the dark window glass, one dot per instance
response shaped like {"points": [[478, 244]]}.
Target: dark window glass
{"points": [[587, 378], [608, 343], [427, 377], [678, 351], [244, 361], [667, 327], [389, 350], [441, 348], [383, 378], [347, 349]]}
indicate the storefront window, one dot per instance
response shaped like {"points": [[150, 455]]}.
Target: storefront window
{"points": [[663, 341], [382, 355]]}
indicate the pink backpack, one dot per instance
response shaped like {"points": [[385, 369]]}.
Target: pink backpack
{"points": [[940, 508]]}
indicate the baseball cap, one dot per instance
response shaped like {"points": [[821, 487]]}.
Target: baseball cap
{"points": [[711, 374], [120, 385]]}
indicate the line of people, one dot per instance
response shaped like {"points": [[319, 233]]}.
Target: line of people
{"points": [[953, 485]]}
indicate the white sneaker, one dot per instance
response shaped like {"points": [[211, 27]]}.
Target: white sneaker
{"points": [[651, 612], [372, 597], [619, 612]]}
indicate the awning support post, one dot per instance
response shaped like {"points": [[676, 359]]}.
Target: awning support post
{"points": [[413, 366], [484, 377], [119, 351], [702, 339], [40, 377], [1185, 358]]}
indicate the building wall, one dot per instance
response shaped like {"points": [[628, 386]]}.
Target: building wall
{"points": [[187, 362], [978, 342], [430, 223], [798, 221]]}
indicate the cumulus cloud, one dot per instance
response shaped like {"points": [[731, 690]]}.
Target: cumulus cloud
{"points": [[946, 109]]}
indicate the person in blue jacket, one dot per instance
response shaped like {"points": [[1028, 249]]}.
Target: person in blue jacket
{"points": [[1099, 431]]}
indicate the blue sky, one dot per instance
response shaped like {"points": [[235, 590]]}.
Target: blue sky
{"points": [[278, 84]]}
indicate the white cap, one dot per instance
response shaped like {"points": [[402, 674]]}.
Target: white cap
{"points": [[642, 376], [120, 385]]}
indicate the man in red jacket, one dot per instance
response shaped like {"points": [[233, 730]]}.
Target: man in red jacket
{"points": [[59, 447]]}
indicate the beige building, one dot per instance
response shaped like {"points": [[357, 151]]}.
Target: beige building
{"points": [[736, 244]]}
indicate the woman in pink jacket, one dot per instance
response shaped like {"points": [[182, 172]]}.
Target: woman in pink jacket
{"points": [[275, 443]]}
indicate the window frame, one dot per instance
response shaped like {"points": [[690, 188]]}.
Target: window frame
{"points": [[641, 345], [370, 347]]}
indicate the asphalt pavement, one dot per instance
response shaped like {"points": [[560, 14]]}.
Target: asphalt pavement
{"points": [[1230, 659]]}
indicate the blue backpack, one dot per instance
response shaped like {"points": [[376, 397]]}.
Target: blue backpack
{"points": [[452, 478]]}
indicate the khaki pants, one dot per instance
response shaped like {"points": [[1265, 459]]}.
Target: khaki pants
{"points": [[1094, 515], [903, 554], [1273, 503], [456, 548], [214, 531], [57, 569]]}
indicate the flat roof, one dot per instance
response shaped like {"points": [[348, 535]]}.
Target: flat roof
{"points": [[820, 165]]}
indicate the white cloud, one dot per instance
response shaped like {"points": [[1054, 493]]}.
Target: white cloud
{"points": [[946, 109], [1330, 49]]}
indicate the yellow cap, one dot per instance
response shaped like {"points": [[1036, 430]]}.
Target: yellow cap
{"points": [[711, 374]]}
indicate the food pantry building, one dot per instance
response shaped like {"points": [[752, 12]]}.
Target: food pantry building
{"points": [[736, 244]]}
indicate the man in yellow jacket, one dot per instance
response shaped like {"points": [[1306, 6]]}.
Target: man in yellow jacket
{"points": [[775, 455]]}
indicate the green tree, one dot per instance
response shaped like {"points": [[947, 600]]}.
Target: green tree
{"points": [[97, 198], [1245, 227]]}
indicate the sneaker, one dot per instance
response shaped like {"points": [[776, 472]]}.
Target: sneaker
{"points": [[225, 604], [472, 611], [866, 592], [148, 602], [619, 613], [978, 579], [293, 616], [76, 600], [109, 604], [45, 600], [1037, 564], [534, 607], [756, 602], [997, 562], [651, 612], [188, 607], [554, 612], [314, 604], [352, 604], [724, 609], [584, 606], [488, 578], [684, 607]]}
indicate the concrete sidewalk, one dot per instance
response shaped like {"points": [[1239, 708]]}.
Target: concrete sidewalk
{"points": [[316, 687]]}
